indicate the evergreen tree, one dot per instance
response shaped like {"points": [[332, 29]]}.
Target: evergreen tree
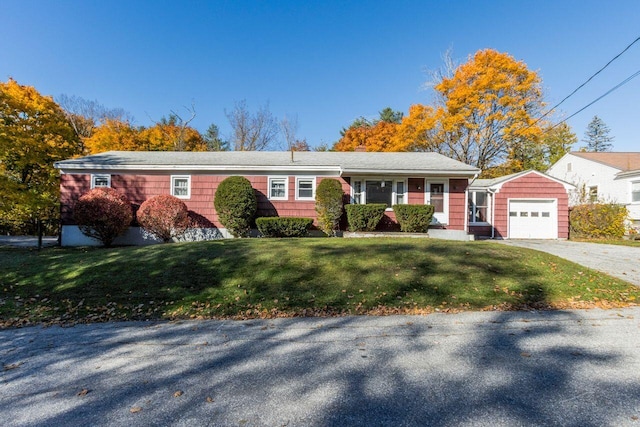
{"points": [[213, 140], [597, 136]]}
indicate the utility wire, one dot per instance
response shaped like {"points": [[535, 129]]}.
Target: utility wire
{"points": [[622, 83], [587, 81]]}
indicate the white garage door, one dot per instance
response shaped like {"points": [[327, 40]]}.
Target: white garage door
{"points": [[533, 219]]}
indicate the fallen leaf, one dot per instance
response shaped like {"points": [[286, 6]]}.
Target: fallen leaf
{"points": [[135, 409], [83, 392], [11, 366], [525, 354], [209, 399], [177, 393]]}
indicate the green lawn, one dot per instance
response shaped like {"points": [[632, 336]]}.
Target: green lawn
{"points": [[291, 277]]}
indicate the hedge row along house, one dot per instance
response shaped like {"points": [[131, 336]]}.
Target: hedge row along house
{"points": [[285, 183]]}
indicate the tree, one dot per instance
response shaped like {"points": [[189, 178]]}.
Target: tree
{"points": [[557, 142], [173, 134], [486, 111], [379, 137], [118, 135], [597, 136], [34, 133], [212, 139], [252, 132], [84, 115], [390, 116]]}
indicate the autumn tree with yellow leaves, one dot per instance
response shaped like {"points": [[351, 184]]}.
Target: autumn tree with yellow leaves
{"points": [[34, 133], [485, 114]]}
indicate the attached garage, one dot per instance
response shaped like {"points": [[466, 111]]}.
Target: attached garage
{"points": [[533, 219], [526, 205]]}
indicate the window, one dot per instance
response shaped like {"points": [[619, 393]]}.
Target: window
{"points": [[478, 204], [278, 188], [593, 194], [100, 181], [181, 186], [400, 193], [437, 197], [388, 192], [305, 188], [357, 192], [379, 192], [635, 191]]}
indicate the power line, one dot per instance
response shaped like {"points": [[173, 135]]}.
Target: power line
{"points": [[587, 81], [622, 83]]}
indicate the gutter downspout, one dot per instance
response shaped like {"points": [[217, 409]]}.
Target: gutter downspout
{"points": [[493, 211], [466, 204]]}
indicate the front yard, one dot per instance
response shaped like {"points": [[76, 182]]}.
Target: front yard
{"points": [[291, 277]]}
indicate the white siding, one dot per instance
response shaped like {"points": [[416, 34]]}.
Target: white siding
{"points": [[588, 173]]}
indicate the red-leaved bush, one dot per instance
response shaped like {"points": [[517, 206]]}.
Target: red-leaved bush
{"points": [[103, 214], [164, 217]]}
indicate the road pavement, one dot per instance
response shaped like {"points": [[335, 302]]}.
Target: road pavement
{"points": [[569, 368]]}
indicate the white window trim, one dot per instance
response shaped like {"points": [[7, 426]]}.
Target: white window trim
{"points": [[286, 187], [188, 178], [438, 217], [93, 180], [631, 192], [488, 206], [313, 187], [394, 194]]}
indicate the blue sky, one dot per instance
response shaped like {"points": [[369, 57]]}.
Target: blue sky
{"points": [[326, 62]]}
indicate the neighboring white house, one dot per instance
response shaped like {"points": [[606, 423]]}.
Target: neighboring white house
{"points": [[609, 177]]}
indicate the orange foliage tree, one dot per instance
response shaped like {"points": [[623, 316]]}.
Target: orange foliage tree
{"points": [[487, 110], [116, 135], [378, 137]]}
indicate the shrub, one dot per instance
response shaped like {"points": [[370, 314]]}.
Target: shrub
{"points": [[414, 218], [164, 217], [283, 227], [329, 205], [598, 220], [236, 205], [103, 214], [365, 217]]}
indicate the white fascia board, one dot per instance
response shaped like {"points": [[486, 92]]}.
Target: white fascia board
{"points": [[628, 174], [567, 186], [416, 172], [233, 169]]}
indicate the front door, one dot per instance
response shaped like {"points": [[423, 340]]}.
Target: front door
{"points": [[437, 197]]}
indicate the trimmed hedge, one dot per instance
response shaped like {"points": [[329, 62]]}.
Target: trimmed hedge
{"points": [[236, 205], [329, 205], [103, 213], [283, 226], [598, 220], [164, 217], [365, 217], [414, 218]]}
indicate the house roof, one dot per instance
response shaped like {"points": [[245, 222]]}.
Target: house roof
{"points": [[496, 183], [270, 161], [623, 161]]}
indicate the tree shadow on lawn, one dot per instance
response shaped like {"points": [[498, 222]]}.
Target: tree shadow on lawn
{"points": [[509, 368]]}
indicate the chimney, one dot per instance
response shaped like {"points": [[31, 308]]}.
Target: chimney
{"points": [[361, 148]]}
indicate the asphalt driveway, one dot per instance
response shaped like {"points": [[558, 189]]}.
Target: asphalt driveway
{"points": [[569, 368], [618, 261]]}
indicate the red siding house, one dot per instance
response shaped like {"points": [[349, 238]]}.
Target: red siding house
{"points": [[525, 205], [284, 183]]}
